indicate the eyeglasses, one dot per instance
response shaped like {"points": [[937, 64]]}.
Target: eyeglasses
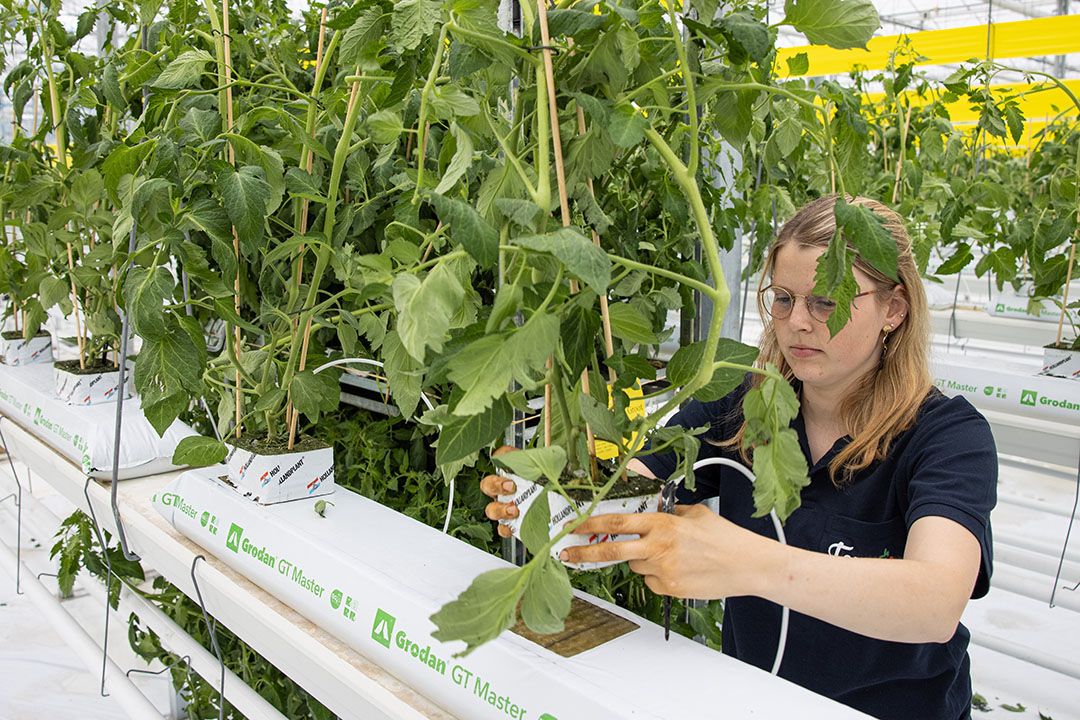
{"points": [[779, 302]]}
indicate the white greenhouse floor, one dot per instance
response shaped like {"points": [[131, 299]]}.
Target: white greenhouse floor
{"points": [[41, 678]]}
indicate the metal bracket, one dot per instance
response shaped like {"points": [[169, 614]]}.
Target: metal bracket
{"points": [[108, 579], [124, 332], [1065, 545], [18, 514], [172, 663], [213, 635]]}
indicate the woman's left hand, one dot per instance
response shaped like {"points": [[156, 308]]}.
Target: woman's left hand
{"points": [[694, 553]]}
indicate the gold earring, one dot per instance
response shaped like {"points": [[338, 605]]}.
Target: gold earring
{"points": [[884, 338]]}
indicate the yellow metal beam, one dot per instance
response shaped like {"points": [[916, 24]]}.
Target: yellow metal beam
{"points": [[1057, 35]]}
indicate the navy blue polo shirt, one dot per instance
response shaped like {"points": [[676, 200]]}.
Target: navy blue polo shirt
{"points": [[944, 465]]}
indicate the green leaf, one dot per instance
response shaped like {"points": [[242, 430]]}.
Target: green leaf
{"points": [[568, 21], [734, 115], [780, 471], [449, 101], [838, 23], [684, 364], [752, 37], [486, 608], [413, 20], [601, 421], [426, 308], [162, 413], [958, 261], [1014, 116], [833, 266], [198, 451], [577, 253], [145, 292], [168, 365], [520, 212], [535, 530], [798, 64], [864, 231], [535, 463], [462, 436], [473, 232], [579, 327], [186, 70], [314, 394], [725, 380], [304, 185], [384, 127], [460, 163], [482, 369], [547, 598], [403, 373], [529, 347], [627, 126], [246, 196], [630, 324], [365, 37], [507, 302], [53, 291]]}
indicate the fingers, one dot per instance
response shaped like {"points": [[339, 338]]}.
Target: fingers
{"points": [[605, 552], [503, 450], [501, 511], [504, 531], [496, 485], [636, 524]]}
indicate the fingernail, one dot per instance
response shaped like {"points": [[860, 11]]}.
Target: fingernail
{"points": [[508, 486], [512, 511], [564, 556]]}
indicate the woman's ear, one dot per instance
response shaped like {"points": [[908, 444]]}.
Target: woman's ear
{"points": [[896, 309]]}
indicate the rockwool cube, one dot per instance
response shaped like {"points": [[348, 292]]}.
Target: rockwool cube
{"points": [[269, 479]]}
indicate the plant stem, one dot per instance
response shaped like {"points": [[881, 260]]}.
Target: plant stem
{"points": [[421, 121]]}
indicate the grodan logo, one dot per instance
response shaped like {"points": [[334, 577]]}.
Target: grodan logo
{"points": [[1029, 398], [383, 628], [233, 540]]}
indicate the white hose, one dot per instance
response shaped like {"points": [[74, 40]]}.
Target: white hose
{"points": [[785, 613], [427, 402]]}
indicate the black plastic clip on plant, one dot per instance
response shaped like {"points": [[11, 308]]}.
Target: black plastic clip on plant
{"points": [[667, 505]]}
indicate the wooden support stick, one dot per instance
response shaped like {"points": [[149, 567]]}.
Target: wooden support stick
{"points": [[1065, 298], [75, 309], [231, 153]]}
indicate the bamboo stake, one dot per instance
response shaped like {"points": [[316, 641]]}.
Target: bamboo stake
{"points": [[231, 154], [75, 309], [309, 165], [354, 98]]}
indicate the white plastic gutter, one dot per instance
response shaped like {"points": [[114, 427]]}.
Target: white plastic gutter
{"points": [[1027, 654], [118, 685]]}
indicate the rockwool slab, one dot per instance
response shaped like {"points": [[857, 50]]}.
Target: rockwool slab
{"points": [[84, 434], [372, 577], [999, 386]]}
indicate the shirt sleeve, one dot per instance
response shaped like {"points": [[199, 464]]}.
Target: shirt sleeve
{"points": [[722, 418], [954, 475]]}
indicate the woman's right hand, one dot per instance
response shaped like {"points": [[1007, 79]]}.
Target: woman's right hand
{"points": [[495, 485]]}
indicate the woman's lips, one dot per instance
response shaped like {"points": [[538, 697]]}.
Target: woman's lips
{"points": [[803, 352]]}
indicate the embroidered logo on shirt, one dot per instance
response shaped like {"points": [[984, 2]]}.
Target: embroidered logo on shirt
{"points": [[839, 549]]}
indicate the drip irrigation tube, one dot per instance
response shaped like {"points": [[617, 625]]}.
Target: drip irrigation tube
{"points": [[785, 613]]}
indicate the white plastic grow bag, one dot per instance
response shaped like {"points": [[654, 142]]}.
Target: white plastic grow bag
{"points": [[84, 435], [91, 388], [269, 479], [562, 511], [372, 577], [19, 352]]}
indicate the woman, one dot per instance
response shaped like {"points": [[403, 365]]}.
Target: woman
{"points": [[893, 534]]}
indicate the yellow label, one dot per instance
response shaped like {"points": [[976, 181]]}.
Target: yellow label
{"points": [[636, 409]]}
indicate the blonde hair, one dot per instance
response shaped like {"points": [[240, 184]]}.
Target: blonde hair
{"points": [[884, 402]]}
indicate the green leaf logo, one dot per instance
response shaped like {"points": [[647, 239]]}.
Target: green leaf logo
{"points": [[204, 519], [383, 627], [335, 599], [1029, 397], [233, 540], [1000, 307], [988, 390]]}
